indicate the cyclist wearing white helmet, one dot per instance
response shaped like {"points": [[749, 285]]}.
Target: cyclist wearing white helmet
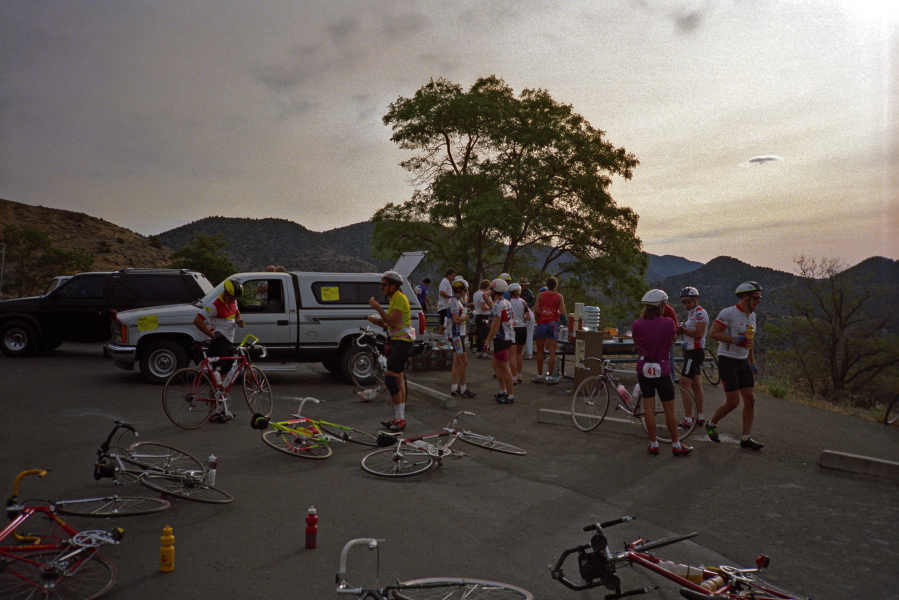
{"points": [[521, 315], [734, 328], [653, 336], [694, 331], [397, 320], [502, 334], [457, 324]]}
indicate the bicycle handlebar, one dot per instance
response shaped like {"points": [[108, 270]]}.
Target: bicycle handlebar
{"points": [[19, 477], [598, 527], [341, 572]]}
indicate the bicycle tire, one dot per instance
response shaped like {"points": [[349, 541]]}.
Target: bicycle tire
{"points": [[111, 506], [188, 398], [161, 458], [297, 445], [457, 588], [490, 443], [391, 462], [590, 403], [257, 391], [892, 412], [187, 487], [710, 368], [679, 360], [22, 580], [662, 433], [349, 434], [647, 546]]}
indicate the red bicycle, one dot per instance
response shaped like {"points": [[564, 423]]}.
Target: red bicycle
{"points": [[194, 395], [58, 561], [598, 567]]}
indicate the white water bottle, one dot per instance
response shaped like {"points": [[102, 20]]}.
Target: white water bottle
{"points": [[211, 465], [623, 393], [421, 445], [217, 377], [231, 375], [637, 392]]}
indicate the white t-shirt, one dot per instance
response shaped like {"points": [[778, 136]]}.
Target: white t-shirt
{"points": [[476, 300], [695, 316], [519, 308], [445, 286], [735, 321]]}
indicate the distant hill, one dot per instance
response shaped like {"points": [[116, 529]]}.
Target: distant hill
{"points": [[661, 267], [111, 246]]}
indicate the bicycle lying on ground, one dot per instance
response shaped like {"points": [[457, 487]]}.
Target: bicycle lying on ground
{"points": [[435, 588], [368, 366], [709, 366], [306, 437], [62, 563], [194, 395], [159, 467], [598, 566], [593, 397], [414, 455]]}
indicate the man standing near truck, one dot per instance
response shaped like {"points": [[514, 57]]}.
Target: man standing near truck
{"points": [[219, 321], [401, 336]]}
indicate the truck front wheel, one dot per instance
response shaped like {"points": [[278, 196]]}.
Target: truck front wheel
{"points": [[18, 338], [158, 360]]}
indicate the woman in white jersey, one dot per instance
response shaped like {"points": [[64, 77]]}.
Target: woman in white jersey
{"points": [[693, 330]]}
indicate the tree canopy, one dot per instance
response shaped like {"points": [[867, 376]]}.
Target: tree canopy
{"points": [[34, 260], [206, 254], [515, 184]]}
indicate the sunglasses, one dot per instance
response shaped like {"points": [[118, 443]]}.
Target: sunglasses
{"points": [[686, 300], [756, 298], [384, 284]]}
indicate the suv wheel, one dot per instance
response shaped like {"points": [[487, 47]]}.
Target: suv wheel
{"points": [[160, 359], [18, 339]]}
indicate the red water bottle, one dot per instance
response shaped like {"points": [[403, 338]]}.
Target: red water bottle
{"points": [[311, 527]]}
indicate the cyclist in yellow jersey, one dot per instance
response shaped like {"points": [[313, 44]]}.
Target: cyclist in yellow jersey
{"points": [[397, 320]]}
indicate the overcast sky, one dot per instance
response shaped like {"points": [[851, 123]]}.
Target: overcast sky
{"points": [[155, 114]]}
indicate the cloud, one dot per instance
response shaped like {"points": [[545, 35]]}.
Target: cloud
{"points": [[762, 160]]}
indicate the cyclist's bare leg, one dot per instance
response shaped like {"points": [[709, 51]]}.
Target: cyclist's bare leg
{"points": [[649, 417], [552, 346], [731, 402], [541, 345], [695, 385], [671, 420], [748, 395]]}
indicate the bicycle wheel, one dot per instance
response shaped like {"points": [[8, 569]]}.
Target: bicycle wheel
{"points": [[188, 398], [297, 445], [710, 368], [662, 433], [112, 506], [161, 458], [187, 486], [490, 443], [455, 588], [44, 577], [391, 462], [257, 391], [892, 413], [590, 403], [679, 360], [349, 434], [647, 546]]}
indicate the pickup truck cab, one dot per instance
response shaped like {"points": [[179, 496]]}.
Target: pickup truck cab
{"points": [[297, 316], [81, 308]]}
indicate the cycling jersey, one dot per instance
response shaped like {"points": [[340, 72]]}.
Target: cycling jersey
{"points": [[455, 330], [549, 307], [398, 301], [220, 317], [503, 310], [734, 321], [519, 308], [695, 316]]}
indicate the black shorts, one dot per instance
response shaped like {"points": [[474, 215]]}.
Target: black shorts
{"points": [[663, 385], [736, 374], [521, 336], [398, 353], [441, 314], [693, 362]]}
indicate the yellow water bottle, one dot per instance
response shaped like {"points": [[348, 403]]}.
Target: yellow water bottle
{"points": [[167, 550], [750, 333], [713, 583]]}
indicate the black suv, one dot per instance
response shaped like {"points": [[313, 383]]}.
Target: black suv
{"points": [[83, 308]]}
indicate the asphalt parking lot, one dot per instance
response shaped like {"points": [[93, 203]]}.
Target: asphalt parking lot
{"points": [[830, 534]]}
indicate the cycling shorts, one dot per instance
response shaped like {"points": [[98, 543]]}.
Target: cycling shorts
{"points": [[501, 350], [693, 359], [650, 385], [521, 336], [458, 345], [736, 374], [398, 353]]}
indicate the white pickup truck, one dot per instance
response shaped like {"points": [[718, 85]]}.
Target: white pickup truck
{"points": [[297, 316]]}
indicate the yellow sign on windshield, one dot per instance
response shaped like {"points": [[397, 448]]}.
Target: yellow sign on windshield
{"points": [[330, 294]]}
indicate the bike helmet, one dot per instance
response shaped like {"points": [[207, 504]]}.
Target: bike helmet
{"points": [[460, 284], [393, 277], [689, 291], [505, 277], [748, 287], [655, 298], [514, 287], [233, 288], [499, 285]]}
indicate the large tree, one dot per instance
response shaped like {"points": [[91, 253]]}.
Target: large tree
{"points": [[515, 184], [841, 337], [34, 260], [206, 254]]}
